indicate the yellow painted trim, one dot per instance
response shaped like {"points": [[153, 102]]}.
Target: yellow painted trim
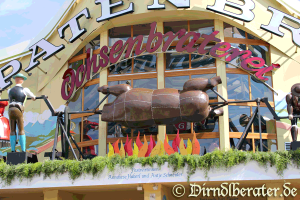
{"points": [[103, 81], [161, 79], [222, 89]]}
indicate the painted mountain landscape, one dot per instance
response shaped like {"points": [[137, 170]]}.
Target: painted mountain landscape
{"points": [[39, 130]]}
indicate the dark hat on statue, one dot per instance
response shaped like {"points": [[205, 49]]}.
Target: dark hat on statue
{"points": [[244, 120], [296, 90], [20, 76]]}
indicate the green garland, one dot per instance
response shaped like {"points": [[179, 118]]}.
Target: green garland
{"points": [[216, 159]]}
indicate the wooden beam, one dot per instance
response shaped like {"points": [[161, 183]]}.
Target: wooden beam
{"points": [[123, 77], [171, 73], [239, 71], [246, 41], [77, 58], [271, 136], [262, 104]]}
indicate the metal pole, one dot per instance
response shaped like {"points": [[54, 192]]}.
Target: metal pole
{"points": [[259, 124], [75, 144], [286, 117], [266, 101], [42, 70], [102, 101], [267, 85], [65, 122], [42, 97], [55, 139], [245, 133], [229, 102], [219, 95], [49, 106], [83, 156], [220, 106], [63, 129]]}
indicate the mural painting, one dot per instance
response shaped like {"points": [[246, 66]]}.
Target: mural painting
{"points": [[39, 130]]}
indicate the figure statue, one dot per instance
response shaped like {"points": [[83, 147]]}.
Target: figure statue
{"points": [[4, 124], [293, 108], [143, 108], [17, 97]]}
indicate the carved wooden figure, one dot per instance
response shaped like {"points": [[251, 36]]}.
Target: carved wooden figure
{"points": [[293, 108], [4, 125]]}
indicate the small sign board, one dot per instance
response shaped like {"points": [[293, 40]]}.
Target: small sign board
{"points": [[152, 196]]}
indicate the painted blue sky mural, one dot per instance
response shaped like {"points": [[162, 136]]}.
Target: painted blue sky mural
{"points": [[39, 129]]}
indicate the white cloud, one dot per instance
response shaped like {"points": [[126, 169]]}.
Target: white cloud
{"points": [[281, 95], [31, 117], [44, 116], [280, 103], [14, 5]]}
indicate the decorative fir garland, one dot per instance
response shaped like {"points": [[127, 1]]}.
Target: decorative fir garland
{"points": [[216, 159]]}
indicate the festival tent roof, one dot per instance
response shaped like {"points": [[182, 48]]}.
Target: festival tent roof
{"points": [[22, 49]]}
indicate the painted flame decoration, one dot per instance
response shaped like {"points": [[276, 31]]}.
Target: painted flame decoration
{"points": [[138, 142], [144, 149], [116, 147], [195, 145], [111, 150], [122, 150], [137, 148]]}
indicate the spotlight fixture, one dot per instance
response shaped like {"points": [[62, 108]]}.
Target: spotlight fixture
{"points": [[155, 187], [42, 70], [29, 74], [139, 188]]}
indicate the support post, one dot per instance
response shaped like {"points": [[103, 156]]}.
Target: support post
{"points": [[150, 193], [59, 195], [51, 195], [103, 81], [161, 80], [55, 139], [259, 124], [247, 128], [67, 138], [222, 90]]}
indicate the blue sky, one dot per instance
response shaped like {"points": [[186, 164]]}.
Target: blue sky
{"points": [[22, 20]]}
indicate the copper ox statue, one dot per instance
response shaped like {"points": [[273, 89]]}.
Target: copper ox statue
{"points": [[143, 108]]}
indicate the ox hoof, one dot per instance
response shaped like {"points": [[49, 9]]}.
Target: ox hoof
{"points": [[103, 89], [216, 112]]}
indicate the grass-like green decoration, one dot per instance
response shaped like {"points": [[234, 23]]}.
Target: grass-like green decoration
{"points": [[216, 159]]}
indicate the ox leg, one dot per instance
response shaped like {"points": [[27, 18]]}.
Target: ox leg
{"points": [[294, 129]]}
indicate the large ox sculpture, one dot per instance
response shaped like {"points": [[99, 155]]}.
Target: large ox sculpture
{"points": [[143, 108]]}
